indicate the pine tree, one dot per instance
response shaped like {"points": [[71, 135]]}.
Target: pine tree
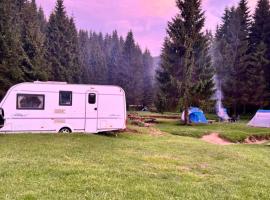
{"points": [[260, 33], [114, 58], [167, 95], [148, 92], [11, 52], [84, 46], [32, 38], [128, 68], [98, 65], [231, 56], [74, 65], [42, 20], [256, 83], [204, 72], [182, 71], [62, 46]]}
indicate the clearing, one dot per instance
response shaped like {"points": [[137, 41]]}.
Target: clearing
{"points": [[142, 163]]}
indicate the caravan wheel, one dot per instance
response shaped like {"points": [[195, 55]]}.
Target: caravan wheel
{"points": [[65, 130]]}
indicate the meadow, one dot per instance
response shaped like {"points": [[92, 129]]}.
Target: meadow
{"points": [[131, 165]]}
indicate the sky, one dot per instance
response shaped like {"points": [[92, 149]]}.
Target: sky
{"points": [[146, 18]]}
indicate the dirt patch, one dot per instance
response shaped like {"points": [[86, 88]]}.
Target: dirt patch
{"points": [[214, 138], [155, 132], [130, 130], [256, 140]]}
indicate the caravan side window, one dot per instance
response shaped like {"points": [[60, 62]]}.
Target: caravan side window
{"points": [[30, 102], [65, 98], [92, 98]]}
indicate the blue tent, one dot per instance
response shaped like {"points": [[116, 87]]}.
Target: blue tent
{"points": [[196, 116]]}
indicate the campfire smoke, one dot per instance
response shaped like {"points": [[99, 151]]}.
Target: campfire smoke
{"points": [[220, 110]]}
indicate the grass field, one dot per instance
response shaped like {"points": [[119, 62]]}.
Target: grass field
{"points": [[234, 132], [130, 166]]}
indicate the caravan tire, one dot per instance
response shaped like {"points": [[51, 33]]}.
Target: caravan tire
{"points": [[65, 130]]}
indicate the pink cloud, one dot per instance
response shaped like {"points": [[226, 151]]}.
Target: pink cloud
{"points": [[147, 18]]}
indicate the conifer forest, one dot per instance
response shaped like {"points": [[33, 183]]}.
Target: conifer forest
{"points": [[194, 62]]}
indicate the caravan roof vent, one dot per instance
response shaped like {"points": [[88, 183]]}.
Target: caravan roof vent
{"points": [[50, 82]]}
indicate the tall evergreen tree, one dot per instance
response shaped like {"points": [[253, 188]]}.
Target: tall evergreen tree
{"points": [[183, 72], [42, 20], [260, 33], [232, 46], [204, 72], [129, 72], [84, 46], [167, 94], [11, 52], [114, 58], [257, 94], [62, 46], [32, 38], [148, 88], [98, 65]]}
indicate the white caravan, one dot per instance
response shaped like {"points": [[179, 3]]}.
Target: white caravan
{"points": [[43, 107]]}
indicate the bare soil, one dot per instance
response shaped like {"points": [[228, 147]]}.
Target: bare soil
{"points": [[215, 139], [155, 132], [254, 140]]}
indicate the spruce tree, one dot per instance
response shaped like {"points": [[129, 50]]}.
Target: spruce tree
{"points": [[231, 56], [32, 38], [260, 33], [11, 52], [204, 72], [97, 64], [128, 67], [167, 93], [114, 59], [182, 71], [42, 20], [74, 65], [84, 47], [62, 46], [148, 92], [257, 94]]}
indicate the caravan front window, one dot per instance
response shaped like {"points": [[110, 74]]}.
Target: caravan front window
{"points": [[65, 98], [30, 101]]}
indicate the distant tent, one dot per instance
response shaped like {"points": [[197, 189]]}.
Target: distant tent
{"points": [[196, 116], [261, 119]]}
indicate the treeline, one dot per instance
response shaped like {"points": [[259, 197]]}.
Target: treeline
{"points": [[237, 58], [110, 59], [32, 48], [242, 57]]}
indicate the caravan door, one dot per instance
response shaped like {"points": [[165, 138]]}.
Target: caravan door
{"points": [[91, 112]]}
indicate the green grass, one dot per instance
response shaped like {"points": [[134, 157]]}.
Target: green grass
{"points": [[130, 166], [156, 114], [234, 132]]}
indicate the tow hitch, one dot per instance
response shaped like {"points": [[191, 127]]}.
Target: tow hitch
{"points": [[2, 119]]}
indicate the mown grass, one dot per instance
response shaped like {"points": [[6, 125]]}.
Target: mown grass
{"points": [[234, 132], [130, 166]]}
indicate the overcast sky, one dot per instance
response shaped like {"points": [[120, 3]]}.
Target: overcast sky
{"points": [[147, 18]]}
